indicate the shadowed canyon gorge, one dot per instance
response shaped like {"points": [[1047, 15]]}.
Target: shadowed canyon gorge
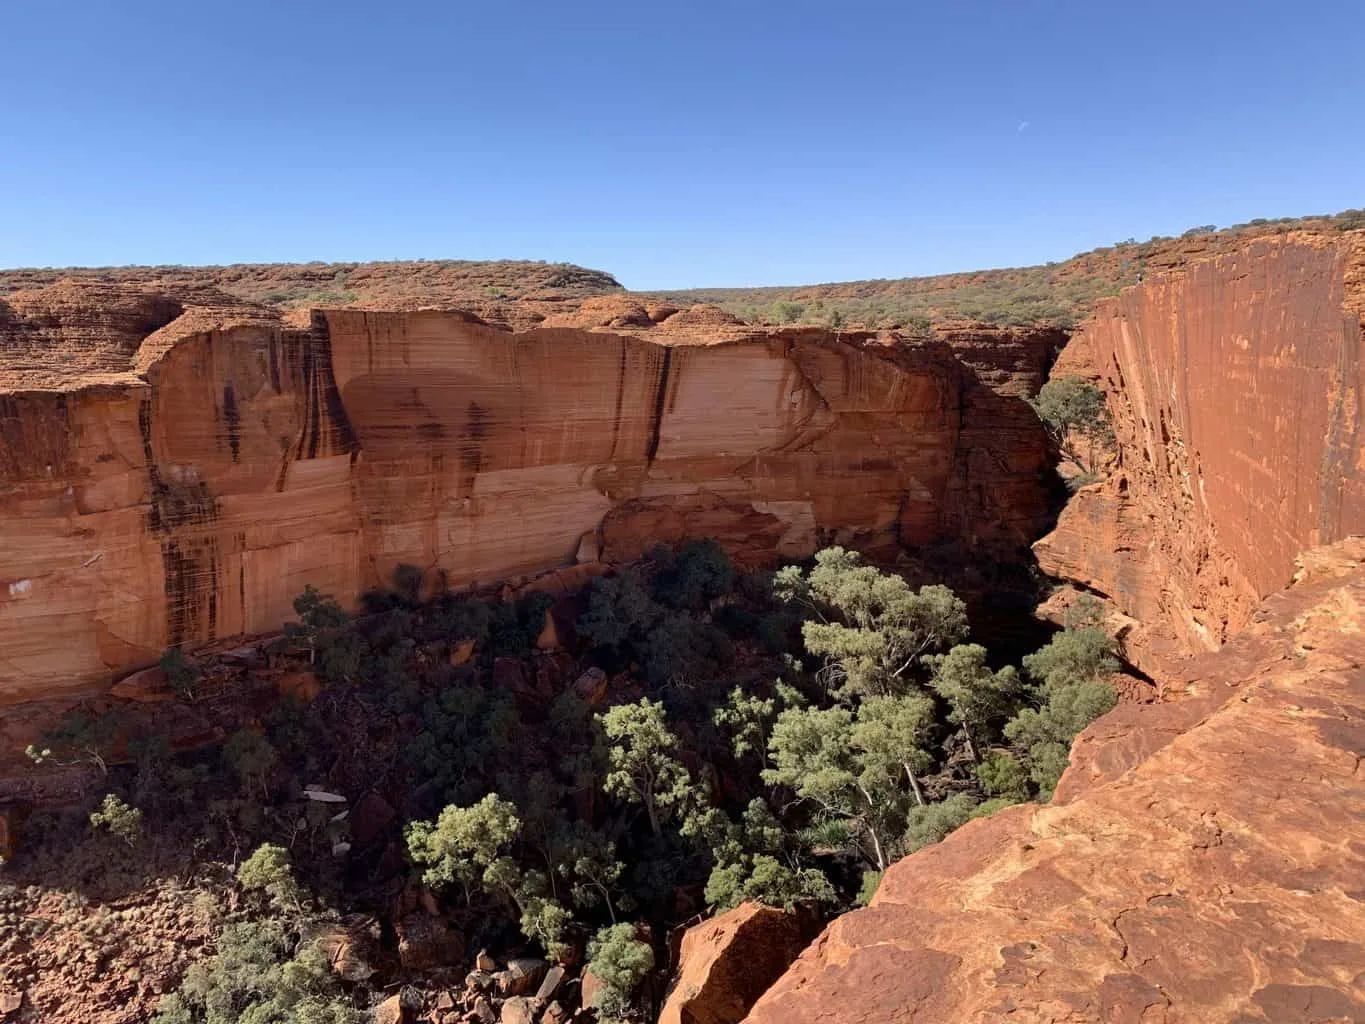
{"points": [[177, 462]]}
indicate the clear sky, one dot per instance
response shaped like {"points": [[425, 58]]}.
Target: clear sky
{"points": [[673, 144]]}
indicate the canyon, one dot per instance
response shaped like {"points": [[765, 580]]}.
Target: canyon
{"points": [[177, 463], [1200, 860], [173, 474]]}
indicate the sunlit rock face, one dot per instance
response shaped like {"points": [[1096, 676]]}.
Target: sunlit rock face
{"points": [[1237, 391], [183, 485]]}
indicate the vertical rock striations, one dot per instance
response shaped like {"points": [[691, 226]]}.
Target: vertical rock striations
{"points": [[1236, 390], [187, 488]]}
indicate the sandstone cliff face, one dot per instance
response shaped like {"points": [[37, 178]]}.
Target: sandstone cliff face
{"points": [[1207, 872], [1236, 390], [190, 488]]}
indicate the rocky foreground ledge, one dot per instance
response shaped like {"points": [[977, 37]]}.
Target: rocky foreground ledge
{"points": [[1209, 865]]}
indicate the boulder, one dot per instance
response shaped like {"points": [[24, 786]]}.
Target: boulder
{"points": [[726, 963], [549, 985], [371, 818], [350, 945], [146, 687], [520, 976], [591, 686], [425, 942], [518, 1010]]}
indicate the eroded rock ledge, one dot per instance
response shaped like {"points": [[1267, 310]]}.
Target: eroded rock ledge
{"points": [[1211, 874], [186, 486]]}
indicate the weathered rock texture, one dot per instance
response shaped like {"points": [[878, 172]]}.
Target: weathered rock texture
{"points": [[185, 487], [1237, 391], [1211, 872], [726, 963]]}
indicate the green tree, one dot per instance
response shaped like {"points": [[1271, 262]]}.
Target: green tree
{"points": [[644, 768], [977, 697], [1071, 692], [469, 846], [1071, 408], [872, 627], [696, 575], [755, 862], [253, 758], [268, 871], [620, 961], [932, 823], [1002, 776], [812, 754], [619, 609], [889, 735], [119, 818], [182, 675], [319, 614]]}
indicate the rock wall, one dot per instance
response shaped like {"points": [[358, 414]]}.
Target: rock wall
{"points": [[1211, 873], [1236, 390], [188, 489]]}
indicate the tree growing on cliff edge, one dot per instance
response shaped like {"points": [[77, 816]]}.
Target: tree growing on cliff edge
{"points": [[1072, 408]]}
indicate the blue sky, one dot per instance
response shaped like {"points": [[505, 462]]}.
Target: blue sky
{"points": [[675, 145]]}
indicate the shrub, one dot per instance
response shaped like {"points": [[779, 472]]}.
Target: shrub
{"points": [[182, 675], [620, 961], [119, 818], [259, 976], [268, 871]]}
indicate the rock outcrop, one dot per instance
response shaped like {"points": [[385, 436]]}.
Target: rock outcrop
{"points": [[185, 488], [726, 963], [1238, 396], [1201, 858], [1211, 873]]}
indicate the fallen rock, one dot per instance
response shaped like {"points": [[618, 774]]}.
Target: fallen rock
{"points": [[484, 962], [591, 686], [350, 946], [425, 942], [549, 986], [518, 1010], [520, 976], [148, 686], [371, 818], [726, 963]]}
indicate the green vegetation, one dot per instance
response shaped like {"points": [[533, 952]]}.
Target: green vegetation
{"points": [[708, 737], [620, 961], [1073, 410], [118, 818], [1057, 294]]}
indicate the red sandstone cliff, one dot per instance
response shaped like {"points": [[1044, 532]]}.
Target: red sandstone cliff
{"points": [[176, 475], [1236, 390], [1202, 858]]}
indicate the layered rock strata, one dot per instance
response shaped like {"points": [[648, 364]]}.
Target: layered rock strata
{"points": [[186, 488], [1236, 390]]}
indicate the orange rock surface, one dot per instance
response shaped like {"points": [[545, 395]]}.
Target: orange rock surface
{"points": [[1213, 876], [1202, 858], [184, 487], [726, 963], [1237, 392]]}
